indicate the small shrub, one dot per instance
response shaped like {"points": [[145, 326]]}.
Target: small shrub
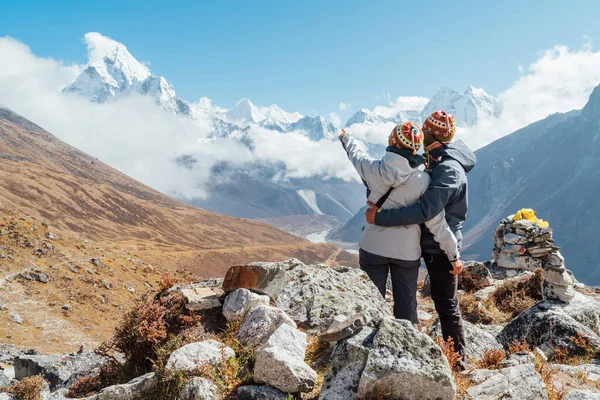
{"points": [[491, 359], [167, 282], [29, 388], [518, 347], [580, 351]]}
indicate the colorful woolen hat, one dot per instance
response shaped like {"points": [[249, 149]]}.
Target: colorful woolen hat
{"points": [[441, 126], [406, 135]]}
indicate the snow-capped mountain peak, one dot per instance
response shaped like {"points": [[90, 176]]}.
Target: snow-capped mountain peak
{"points": [[112, 71], [246, 112]]}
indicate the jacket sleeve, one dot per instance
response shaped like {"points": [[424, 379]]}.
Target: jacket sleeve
{"points": [[443, 186], [370, 170], [444, 236]]}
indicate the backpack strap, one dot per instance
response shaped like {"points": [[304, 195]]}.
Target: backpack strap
{"points": [[384, 197]]}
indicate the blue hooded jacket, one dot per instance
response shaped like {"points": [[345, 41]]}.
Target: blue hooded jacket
{"points": [[446, 191]]}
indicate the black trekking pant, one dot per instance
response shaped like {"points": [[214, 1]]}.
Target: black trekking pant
{"points": [[443, 292], [404, 281]]}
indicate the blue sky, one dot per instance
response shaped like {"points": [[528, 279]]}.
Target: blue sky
{"points": [[309, 56]]}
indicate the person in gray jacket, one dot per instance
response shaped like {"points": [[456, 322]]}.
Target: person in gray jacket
{"points": [[396, 181], [448, 163]]}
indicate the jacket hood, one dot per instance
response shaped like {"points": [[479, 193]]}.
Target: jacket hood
{"points": [[395, 168], [458, 151], [414, 160]]}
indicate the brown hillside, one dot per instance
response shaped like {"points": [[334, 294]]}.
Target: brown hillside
{"points": [[74, 192]]}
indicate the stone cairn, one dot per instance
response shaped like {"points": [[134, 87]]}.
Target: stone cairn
{"points": [[524, 245]]}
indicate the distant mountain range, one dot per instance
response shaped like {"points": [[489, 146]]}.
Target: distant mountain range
{"points": [[253, 193], [551, 166]]}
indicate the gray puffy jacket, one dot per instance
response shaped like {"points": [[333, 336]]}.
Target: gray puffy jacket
{"points": [[394, 170]]}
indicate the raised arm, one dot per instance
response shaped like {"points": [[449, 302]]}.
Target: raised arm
{"points": [[442, 187], [444, 236]]}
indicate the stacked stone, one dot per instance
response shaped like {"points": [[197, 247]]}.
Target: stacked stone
{"points": [[525, 245]]}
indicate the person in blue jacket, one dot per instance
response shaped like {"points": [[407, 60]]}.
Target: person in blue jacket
{"points": [[447, 163]]}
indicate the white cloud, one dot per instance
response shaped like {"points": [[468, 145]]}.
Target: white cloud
{"points": [[560, 80], [344, 106], [135, 136], [335, 119]]}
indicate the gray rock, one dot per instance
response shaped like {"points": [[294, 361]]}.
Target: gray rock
{"points": [[591, 371], [406, 363], [263, 278], [16, 317], [198, 389], [345, 329], [59, 370], [315, 295], [260, 393], [4, 379], [135, 389], [582, 395], [557, 278], [260, 323], [477, 340], [66, 307], [512, 238], [239, 302], [347, 364], [519, 358], [424, 315], [520, 382], [201, 298], [285, 371], [289, 339], [555, 260], [193, 355], [550, 324], [508, 260], [7, 396], [555, 292]]}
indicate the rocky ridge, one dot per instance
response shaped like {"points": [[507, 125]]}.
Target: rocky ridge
{"points": [[317, 332]]}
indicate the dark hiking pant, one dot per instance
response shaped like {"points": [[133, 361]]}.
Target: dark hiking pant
{"points": [[404, 281], [443, 292]]}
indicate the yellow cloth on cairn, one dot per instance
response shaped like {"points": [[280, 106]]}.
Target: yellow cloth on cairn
{"points": [[529, 215]]}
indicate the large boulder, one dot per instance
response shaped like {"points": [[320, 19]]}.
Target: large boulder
{"points": [[519, 382], [275, 367], [261, 277], [4, 379], [477, 340], [315, 295], [138, 388], [193, 355], [260, 323], [198, 389], [241, 301], [550, 324], [59, 370], [396, 359], [280, 362], [406, 363]]}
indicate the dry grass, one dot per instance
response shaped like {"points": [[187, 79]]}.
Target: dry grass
{"points": [[547, 373], [471, 283], [462, 382], [491, 359], [29, 388], [581, 351], [514, 297], [315, 351], [518, 347]]}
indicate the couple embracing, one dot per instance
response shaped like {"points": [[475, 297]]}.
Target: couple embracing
{"points": [[414, 213]]}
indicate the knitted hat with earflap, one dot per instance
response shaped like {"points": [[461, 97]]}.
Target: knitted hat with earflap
{"points": [[406, 136], [440, 126]]}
